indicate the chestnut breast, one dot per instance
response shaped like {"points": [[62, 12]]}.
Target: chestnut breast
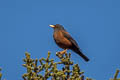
{"points": [[61, 41]]}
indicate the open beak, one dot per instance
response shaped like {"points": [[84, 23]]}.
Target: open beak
{"points": [[52, 26]]}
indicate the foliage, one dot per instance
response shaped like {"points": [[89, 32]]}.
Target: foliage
{"points": [[50, 68], [0, 74], [116, 75], [44, 69]]}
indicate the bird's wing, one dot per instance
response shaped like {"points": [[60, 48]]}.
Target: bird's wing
{"points": [[67, 35]]}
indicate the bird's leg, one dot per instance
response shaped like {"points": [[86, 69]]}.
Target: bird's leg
{"points": [[63, 52]]}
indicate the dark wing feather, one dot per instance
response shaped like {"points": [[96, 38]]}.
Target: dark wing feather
{"points": [[67, 35], [74, 46]]}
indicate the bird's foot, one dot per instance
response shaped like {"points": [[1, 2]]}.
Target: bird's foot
{"points": [[60, 54], [63, 52]]}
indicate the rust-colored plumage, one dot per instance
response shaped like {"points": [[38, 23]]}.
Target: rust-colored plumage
{"points": [[65, 41]]}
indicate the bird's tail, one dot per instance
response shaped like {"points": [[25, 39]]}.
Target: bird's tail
{"points": [[81, 54]]}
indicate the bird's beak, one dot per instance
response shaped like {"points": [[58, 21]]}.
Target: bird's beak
{"points": [[52, 26]]}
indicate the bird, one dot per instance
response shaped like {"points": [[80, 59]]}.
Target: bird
{"points": [[64, 40]]}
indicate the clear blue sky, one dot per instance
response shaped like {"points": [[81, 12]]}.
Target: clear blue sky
{"points": [[95, 25]]}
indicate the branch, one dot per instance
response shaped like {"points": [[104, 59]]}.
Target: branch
{"points": [[46, 68]]}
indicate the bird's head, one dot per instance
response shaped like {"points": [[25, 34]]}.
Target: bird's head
{"points": [[57, 27]]}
